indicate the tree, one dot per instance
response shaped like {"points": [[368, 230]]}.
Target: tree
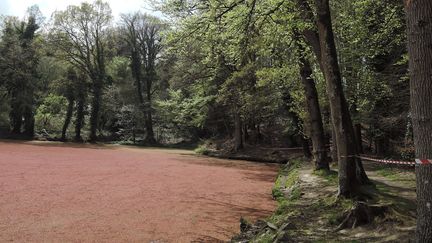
{"points": [[320, 157], [68, 83], [19, 71], [349, 180], [419, 24], [81, 92], [143, 35], [81, 34]]}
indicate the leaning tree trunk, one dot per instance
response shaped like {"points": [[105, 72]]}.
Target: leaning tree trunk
{"points": [[67, 118], [419, 26], [341, 119], [314, 40], [94, 117], [320, 158]]}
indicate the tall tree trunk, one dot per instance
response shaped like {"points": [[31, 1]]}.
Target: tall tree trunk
{"points": [[315, 40], [149, 120], [357, 126], [320, 157], [238, 141], [15, 114], [79, 121], [149, 128], [419, 24], [67, 118], [358, 136], [29, 120], [341, 119], [333, 146], [306, 150], [94, 117], [137, 74]]}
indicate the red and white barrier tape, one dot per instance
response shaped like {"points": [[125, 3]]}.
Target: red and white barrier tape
{"points": [[385, 161], [410, 163], [423, 161]]}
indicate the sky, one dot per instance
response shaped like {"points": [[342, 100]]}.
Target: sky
{"points": [[47, 7]]}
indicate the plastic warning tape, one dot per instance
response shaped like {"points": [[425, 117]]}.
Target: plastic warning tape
{"points": [[385, 161], [423, 161]]}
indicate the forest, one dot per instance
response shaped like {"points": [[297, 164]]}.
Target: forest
{"points": [[336, 79]]}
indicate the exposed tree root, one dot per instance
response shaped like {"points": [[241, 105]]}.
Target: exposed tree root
{"points": [[360, 214]]}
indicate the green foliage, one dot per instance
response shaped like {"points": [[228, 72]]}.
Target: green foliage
{"points": [[50, 114], [202, 149], [185, 112]]}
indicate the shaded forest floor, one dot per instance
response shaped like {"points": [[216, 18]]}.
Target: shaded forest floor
{"points": [[309, 211], [249, 152]]}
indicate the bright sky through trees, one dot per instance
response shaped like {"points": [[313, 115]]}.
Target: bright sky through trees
{"points": [[19, 7]]}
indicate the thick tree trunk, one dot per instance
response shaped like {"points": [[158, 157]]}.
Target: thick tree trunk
{"points": [[149, 128], [358, 136], [68, 118], [29, 121], [149, 120], [137, 74], [320, 158], [306, 150], [245, 133], [238, 141], [333, 148], [15, 114], [345, 138], [79, 122], [94, 117], [419, 24]]}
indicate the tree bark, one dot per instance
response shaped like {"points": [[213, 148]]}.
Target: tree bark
{"points": [[67, 118], [333, 148], [149, 128], [358, 136], [320, 157], [149, 120], [29, 121], [341, 119], [306, 150], [238, 141], [79, 122], [419, 27], [15, 114], [94, 117]]}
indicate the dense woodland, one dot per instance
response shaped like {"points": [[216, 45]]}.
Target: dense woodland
{"points": [[248, 73]]}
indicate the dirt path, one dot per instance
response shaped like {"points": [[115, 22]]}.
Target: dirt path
{"points": [[56, 193]]}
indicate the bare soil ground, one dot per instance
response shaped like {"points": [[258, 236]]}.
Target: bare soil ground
{"points": [[52, 192]]}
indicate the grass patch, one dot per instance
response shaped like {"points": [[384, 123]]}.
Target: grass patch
{"points": [[266, 237], [287, 179], [331, 208], [202, 149], [331, 176], [390, 173]]}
